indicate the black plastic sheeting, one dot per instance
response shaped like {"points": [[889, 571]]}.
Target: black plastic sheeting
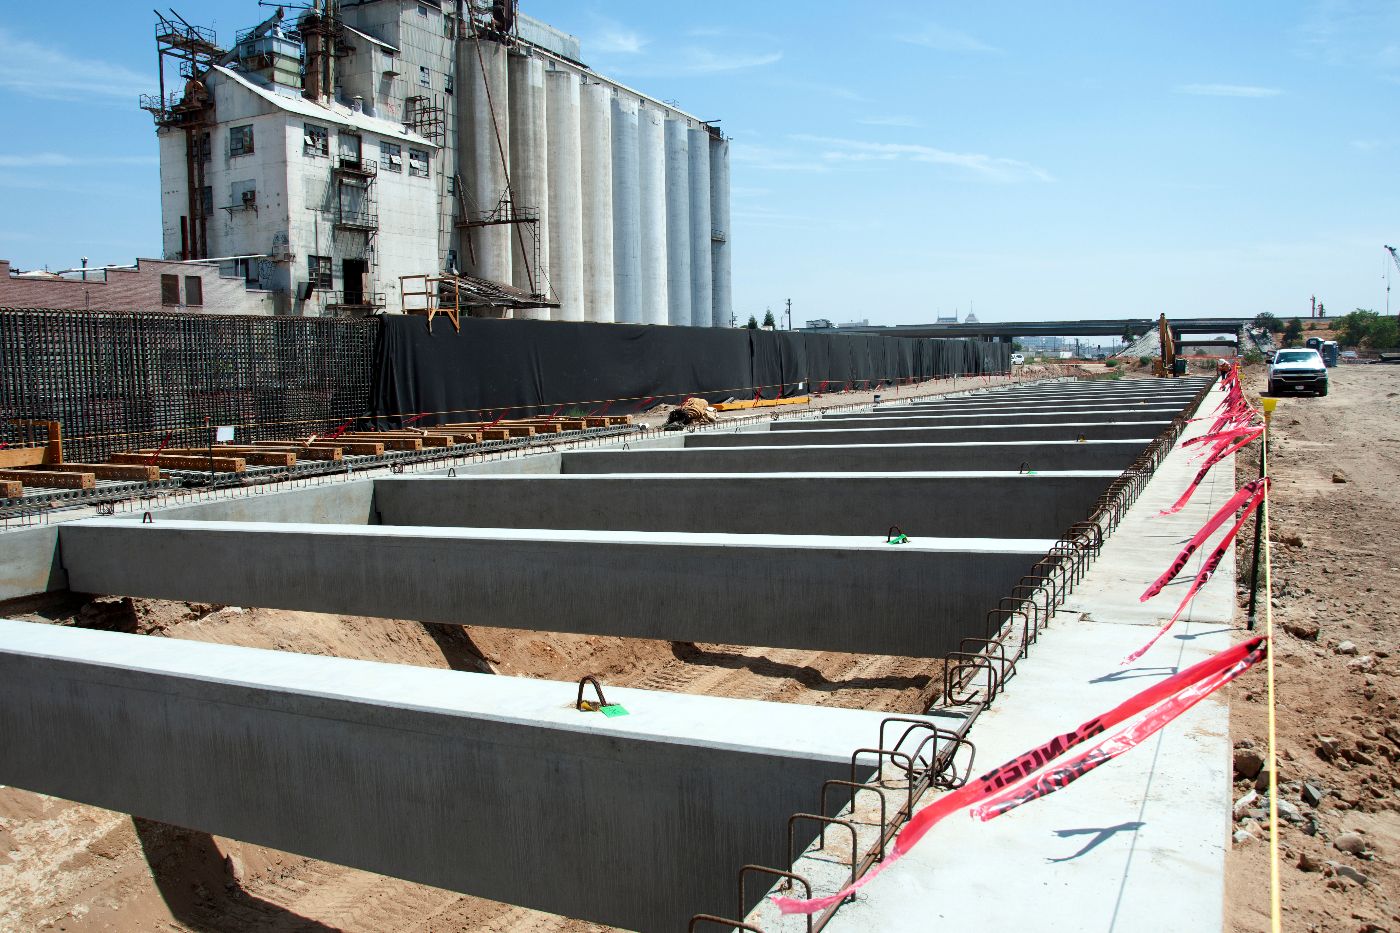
{"points": [[509, 369]]}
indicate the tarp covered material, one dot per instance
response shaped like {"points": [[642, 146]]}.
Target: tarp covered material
{"points": [[495, 368]]}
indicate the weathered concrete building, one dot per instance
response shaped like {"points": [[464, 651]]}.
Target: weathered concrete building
{"points": [[372, 140]]}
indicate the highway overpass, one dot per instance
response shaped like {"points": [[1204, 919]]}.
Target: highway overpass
{"points": [[1005, 331]]}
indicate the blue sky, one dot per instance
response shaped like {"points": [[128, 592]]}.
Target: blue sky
{"points": [[889, 161]]}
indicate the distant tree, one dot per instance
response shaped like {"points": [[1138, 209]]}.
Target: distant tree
{"points": [[1128, 336], [1292, 332], [1384, 334], [1267, 322], [1016, 346], [768, 320], [1353, 329], [753, 323]]}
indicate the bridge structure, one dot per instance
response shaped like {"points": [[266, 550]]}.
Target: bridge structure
{"points": [[1006, 331]]}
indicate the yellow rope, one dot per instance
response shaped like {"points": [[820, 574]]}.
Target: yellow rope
{"points": [[1275, 900]]}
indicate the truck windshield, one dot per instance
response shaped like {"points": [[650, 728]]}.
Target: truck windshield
{"points": [[1295, 356]]}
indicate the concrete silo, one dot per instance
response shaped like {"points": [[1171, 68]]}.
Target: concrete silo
{"points": [[678, 291], [489, 95], [719, 220], [565, 194], [701, 284], [595, 128], [626, 211], [529, 165], [651, 185]]}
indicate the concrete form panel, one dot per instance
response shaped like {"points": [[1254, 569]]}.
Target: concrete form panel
{"points": [[1112, 430]]}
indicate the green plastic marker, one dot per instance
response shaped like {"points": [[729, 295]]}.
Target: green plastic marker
{"points": [[613, 710]]}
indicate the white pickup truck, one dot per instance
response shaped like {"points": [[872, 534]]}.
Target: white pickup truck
{"points": [[1297, 371]]}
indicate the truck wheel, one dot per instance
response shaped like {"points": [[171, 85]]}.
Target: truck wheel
{"points": [[1323, 390], [1272, 390]]}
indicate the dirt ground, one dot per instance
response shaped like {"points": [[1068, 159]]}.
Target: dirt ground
{"points": [[65, 866], [1335, 508]]}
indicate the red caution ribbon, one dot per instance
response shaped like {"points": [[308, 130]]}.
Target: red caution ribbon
{"points": [[163, 444], [1214, 458], [1207, 569], [1024, 779], [1246, 493]]}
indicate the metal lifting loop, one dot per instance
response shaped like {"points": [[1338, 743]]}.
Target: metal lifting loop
{"points": [[589, 679]]}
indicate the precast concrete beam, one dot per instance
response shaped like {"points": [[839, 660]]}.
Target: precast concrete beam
{"points": [[823, 592], [1009, 408], [486, 785], [894, 418], [762, 457], [1065, 430], [1042, 401], [922, 504]]}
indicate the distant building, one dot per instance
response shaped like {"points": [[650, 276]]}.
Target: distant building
{"points": [[149, 285], [331, 156]]}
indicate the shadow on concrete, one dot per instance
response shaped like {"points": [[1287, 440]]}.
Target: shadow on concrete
{"points": [[809, 677], [1099, 835], [1133, 673], [197, 883], [458, 649], [1194, 635]]}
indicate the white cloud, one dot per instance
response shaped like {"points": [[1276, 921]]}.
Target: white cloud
{"points": [[896, 120], [693, 60], [52, 74], [62, 160], [1228, 90], [615, 40], [944, 39], [773, 159], [993, 168]]}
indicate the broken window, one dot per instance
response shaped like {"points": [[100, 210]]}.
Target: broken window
{"points": [[418, 163], [316, 140], [447, 82], [240, 140], [207, 199], [170, 289], [205, 147], [390, 157], [319, 271], [194, 290]]}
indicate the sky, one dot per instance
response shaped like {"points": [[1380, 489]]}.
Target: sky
{"points": [[890, 162]]}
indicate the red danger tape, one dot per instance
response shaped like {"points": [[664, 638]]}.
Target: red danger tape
{"points": [[1214, 458], [1021, 780], [163, 444], [1247, 492], [1208, 568]]}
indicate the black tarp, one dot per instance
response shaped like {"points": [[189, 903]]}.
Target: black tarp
{"points": [[511, 369]]}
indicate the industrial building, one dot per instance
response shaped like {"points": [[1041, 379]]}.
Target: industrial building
{"points": [[385, 155]]}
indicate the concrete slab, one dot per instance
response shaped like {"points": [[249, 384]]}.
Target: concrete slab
{"points": [[760, 456], [824, 592], [1035, 431], [1139, 844], [491, 786], [923, 504]]}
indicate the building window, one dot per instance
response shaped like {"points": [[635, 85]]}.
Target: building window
{"points": [[194, 290], [206, 148], [316, 141], [319, 271], [425, 77], [418, 163], [422, 9], [447, 83], [207, 200], [452, 261], [447, 25], [390, 157], [240, 140], [170, 289], [451, 184]]}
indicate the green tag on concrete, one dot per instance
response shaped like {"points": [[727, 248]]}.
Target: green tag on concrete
{"points": [[612, 710]]}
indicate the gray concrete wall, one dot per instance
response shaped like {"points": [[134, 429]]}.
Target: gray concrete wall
{"points": [[1043, 455], [622, 830], [29, 563], [952, 435], [828, 594], [335, 503], [957, 506]]}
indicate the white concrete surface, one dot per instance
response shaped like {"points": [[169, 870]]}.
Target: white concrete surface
{"points": [[1139, 844]]}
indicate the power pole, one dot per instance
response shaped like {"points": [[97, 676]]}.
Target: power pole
{"points": [[789, 313]]}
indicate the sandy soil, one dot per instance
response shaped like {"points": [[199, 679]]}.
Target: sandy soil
{"points": [[1335, 463]]}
